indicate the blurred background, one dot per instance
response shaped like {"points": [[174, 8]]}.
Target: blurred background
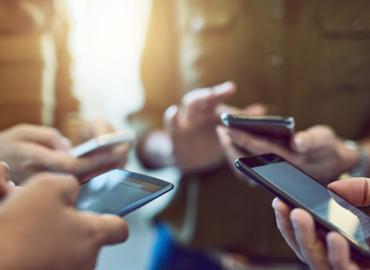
{"points": [[107, 40]]}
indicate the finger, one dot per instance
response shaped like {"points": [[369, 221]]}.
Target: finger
{"points": [[311, 247], [205, 101], [224, 108], [120, 154], [4, 179], [230, 151], [171, 118], [116, 157], [66, 187], [44, 159], [4, 172], [255, 109], [284, 224], [313, 138], [108, 229], [355, 190], [45, 136], [339, 252], [201, 98]]}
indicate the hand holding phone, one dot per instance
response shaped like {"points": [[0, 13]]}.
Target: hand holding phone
{"points": [[331, 211], [102, 143], [277, 128], [120, 192]]}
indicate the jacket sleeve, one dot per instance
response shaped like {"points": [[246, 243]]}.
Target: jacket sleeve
{"points": [[158, 66]]}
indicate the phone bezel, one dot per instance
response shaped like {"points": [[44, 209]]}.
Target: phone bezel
{"points": [[261, 160], [164, 188]]}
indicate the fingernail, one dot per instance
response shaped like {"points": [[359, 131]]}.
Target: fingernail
{"points": [[223, 88], [274, 203]]}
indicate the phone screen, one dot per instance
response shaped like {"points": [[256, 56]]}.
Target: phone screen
{"points": [[119, 192], [317, 199]]}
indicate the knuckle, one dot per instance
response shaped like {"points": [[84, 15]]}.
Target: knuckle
{"points": [[43, 179], [70, 181]]}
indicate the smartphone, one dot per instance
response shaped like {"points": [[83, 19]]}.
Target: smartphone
{"points": [[102, 142], [298, 189], [120, 192], [276, 127]]}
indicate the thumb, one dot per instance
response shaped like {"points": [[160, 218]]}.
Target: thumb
{"points": [[110, 229], [170, 118], [63, 188], [355, 190], [4, 179], [312, 138]]}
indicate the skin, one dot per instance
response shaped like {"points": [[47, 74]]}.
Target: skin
{"points": [[298, 229], [317, 150], [192, 125], [30, 149], [41, 226]]}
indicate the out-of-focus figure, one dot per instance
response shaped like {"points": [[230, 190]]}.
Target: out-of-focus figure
{"points": [[35, 64], [35, 69], [307, 59]]}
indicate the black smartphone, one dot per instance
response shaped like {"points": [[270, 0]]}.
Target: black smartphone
{"points": [[298, 189], [278, 128], [120, 192]]}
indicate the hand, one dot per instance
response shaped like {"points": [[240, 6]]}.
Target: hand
{"points": [[30, 149], [94, 128], [298, 229], [230, 150], [40, 225], [191, 127], [317, 151], [112, 157]]}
